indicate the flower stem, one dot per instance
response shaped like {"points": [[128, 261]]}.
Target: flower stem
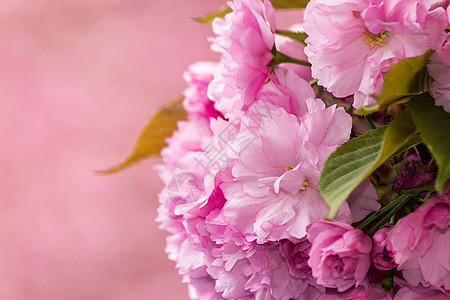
{"points": [[372, 124], [283, 58], [388, 281], [313, 82], [395, 206], [403, 199], [417, 191], [378, 213]]}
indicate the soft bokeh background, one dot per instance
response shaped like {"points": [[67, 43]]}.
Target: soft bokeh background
{"points": [[78, 80]]}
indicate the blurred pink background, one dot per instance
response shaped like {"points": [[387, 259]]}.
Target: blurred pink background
{"points": [[78, 79]]}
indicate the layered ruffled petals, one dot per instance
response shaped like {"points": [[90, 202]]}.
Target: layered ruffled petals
{"points": [[420, 244], [273, 196], [245, 37], [351, 44]]}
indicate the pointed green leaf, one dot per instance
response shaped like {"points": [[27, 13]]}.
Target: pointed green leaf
{"points": [[288, 4], [211, 16], [433, 124], [404, 80], [152, 138], [283, 58], [297, 36], [359, 157]]}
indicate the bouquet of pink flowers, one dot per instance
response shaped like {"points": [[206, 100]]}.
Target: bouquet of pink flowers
{"points": [[312, 162]]}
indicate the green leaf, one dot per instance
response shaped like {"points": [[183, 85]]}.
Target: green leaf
{"points": [[404, 80], [297, 36], [433, 124], [359, 157], [288, 4], [211, 16], [277, 4], [152, 138], [283, 58]]}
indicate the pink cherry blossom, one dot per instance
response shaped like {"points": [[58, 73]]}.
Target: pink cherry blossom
{"points": [[420, 244], [274, 193], [192, 133], [245, 38], [191, 265], [340, 254], [271, 278], [196, 103], [241, 198], [352, 43], [288, 90], [297, 256], [382, 256], [188, 138], [439, 68], [240, 270]]}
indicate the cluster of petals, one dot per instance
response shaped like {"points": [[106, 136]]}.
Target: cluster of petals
{"points": [[340, 254], [382, 255], [245, 38], [241, 199], [420, 244], [439, 68], [196, 103], [271, 196], [223, 247], [200, 110], [352, 43]]}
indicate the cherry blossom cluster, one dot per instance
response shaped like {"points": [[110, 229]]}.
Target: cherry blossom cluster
{"points": [[241, 198]]}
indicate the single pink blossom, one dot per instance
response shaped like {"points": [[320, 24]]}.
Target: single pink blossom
{"points": [[188, 138], [245, 37], [297, 256], [200, 259], [271, 279], [340, 254], [382, 256], [191, 264], [274, 193], [288, 90], [184, 188], [196, 103], [191, 134], [241, 270], [420, 244], [352, 43]]}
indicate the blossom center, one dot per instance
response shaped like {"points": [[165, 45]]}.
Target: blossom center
{"points": [[304, 185], [373, 39]]}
